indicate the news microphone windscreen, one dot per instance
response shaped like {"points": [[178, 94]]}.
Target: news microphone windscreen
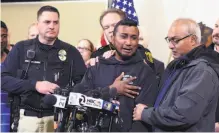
{"points": [[78, 88], [49, 100], [113, 92], [95, 94], [110, 93]]}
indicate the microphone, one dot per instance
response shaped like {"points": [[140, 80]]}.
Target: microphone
{"points": [[79, 88], [99, 100], [78, 99], [55, 100], [107, 95], [49, 100]]}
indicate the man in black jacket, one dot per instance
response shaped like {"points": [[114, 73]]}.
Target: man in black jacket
{"points": [[215, 46], [189, 87], [127, 73]]}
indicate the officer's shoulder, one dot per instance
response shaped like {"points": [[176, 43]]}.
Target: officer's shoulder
{"points": [[66, 45], [70, 49], [24, 43], [103, 48], [142, 48]]}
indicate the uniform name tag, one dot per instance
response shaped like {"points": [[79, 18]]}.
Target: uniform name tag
{"points": [[34, 62]]}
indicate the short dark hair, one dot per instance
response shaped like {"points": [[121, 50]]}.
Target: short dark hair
{"points": [[125, 22], [4, 26], [47, 8], [112, 10]]}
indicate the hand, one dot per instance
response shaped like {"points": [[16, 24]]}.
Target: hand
{"points": [[109, 54], [123, 87], [138, 111], [92, 62], [45, 87], [217, 127], [145, 62]]}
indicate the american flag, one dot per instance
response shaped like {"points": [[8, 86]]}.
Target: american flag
{"points": [[126, 6]]}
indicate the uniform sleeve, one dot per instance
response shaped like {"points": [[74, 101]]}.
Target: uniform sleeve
{"points": [[146, 55], [10, 81], [95, 54], [192, 101], [100, 51]]}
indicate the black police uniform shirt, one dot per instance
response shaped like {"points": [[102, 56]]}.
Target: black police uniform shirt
{"points": [[50, 63], [103, 74]]}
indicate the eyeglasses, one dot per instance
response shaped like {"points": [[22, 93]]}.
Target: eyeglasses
{"points": [[174, 41], [83, 49]]}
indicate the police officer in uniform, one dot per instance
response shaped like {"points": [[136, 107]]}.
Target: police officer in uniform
{"points": [[37, 67]]}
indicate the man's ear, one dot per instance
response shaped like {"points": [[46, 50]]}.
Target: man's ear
{"points": [[194, 40]]}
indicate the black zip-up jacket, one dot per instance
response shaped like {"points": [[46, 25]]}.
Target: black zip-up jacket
{"points": [[217, 111], [47, 62], [103, 74]]}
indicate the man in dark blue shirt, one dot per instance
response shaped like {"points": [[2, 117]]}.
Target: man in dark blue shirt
{"points": [[37, 67]]}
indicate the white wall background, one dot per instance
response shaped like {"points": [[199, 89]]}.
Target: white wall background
{"points": [[157, 15]]}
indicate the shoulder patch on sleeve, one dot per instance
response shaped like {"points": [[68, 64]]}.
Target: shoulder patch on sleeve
{"points": [[149, 57]]}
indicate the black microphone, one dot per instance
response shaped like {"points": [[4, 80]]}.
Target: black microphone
{"points": [[78, 88], [49, 100], [107, 93], [58, 101]]}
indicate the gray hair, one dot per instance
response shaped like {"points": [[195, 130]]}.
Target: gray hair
{"points": [[192, 27]]}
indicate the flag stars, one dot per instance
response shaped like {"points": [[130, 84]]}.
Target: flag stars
{"points": [[117, 6], [113, 5], [129, 12], [126, 6], [134, 14], [124, 2], [130, 4], [124, 9]]}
